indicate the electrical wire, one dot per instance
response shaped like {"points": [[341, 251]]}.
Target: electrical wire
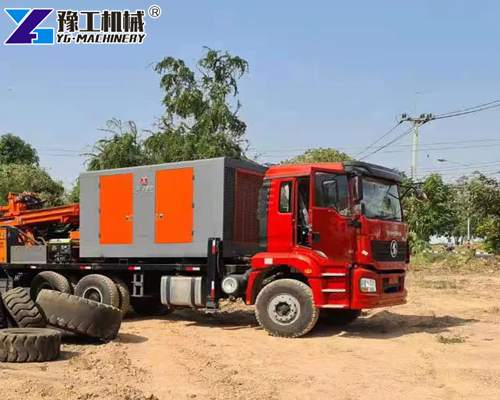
{"points": [[470, 110], [388, 143], [379, 139]]}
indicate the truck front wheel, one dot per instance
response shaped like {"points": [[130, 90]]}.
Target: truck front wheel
{"points": [[286, 308]]}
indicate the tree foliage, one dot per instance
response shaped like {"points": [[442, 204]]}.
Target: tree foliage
{"points": [[319, 155], [433, 216], [123, 149], [484, 199], [14, 150], [201, 109], [200, 120], [19, 178]]}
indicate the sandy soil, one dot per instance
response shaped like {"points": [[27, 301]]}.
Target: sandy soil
{"points": [[444, 344]]}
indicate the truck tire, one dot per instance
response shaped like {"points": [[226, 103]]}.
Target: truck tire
{"points": [[286, 308], [338, 317], [4, 323], [73, 281], [98, 288], [78, 315], [22, 345], [49, 280], [124, 293], [149, 306], [24, 312]]}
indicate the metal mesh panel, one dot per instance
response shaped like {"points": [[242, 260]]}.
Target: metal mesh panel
{"points": [[246, 223]]}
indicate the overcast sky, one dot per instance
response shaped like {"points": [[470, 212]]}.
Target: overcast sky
{"points": [[322, 73]]}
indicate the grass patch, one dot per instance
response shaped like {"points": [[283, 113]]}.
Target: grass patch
{"points": [[439, 284], [459, 260], [450, 339]]}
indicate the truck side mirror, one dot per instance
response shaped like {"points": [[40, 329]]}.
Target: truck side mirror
{"points": [[357, 189]]}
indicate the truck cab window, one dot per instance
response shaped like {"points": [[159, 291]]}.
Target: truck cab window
{"points": [[331, 191], [285, 197], [303, 223]]}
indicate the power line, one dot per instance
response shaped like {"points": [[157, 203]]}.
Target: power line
{"points": [[425, 145], [388, 143], [460, 111], [379, 139], [458, 114], [464, 167]]}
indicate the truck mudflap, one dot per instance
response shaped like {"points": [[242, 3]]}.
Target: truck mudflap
{"points": [[371, 289]]}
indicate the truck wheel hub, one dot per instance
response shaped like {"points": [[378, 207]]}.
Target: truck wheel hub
{"points": [[93, 294], [284, 309]]}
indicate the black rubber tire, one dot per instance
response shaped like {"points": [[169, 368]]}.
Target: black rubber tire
{"points": [[78, 315], [22, 345], [73, 281], [4, 323], [306, 316], [124, 293], [149, 306], [23, 310], [336, 317], [101, 286], [49, 280]]}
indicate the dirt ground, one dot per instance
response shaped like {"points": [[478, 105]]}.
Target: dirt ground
{"points": [[443, 344]]}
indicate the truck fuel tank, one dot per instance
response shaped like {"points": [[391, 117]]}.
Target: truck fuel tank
{"points": [[183, 291]]}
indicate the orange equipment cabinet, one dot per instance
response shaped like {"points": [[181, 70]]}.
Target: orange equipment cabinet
{"points": [[170, 210], [174, 206], [116, 209]]}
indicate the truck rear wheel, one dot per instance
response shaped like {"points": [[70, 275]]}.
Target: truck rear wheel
{"points": [[29, 345], [124, 293], [98, 288], [79, 315], [49, 280], [24, 312], [286, 308]]}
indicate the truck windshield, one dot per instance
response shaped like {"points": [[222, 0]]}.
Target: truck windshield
{"points": [[381, 199]]}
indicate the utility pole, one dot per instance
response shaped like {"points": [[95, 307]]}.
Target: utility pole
{"points": [[416, 123]]}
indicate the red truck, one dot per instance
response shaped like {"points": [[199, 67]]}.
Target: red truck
{"points": [[293, 240]]}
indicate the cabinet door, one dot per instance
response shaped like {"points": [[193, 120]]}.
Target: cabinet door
{"points": [[116, 207], [174, 206]]}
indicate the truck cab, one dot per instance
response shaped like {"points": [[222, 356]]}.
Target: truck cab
{"points": [[338, 229]]}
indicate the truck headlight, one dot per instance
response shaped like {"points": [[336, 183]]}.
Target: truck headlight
{"points": [[368, 285]]}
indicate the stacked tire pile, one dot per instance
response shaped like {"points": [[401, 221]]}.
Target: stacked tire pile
{"points": [[31, 331]]}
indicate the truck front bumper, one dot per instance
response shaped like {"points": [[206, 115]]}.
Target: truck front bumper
{"points": [[389, 288]]}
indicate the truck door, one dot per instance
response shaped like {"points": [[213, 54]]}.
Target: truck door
{"points": [[330, 216], [281, 215]]}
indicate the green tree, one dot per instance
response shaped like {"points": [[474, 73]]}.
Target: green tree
{"points": [[319, 155], [433, 216], [123, 149], [201, 109], [19, 178], [73, 196], [14, 150], [484, 194]]}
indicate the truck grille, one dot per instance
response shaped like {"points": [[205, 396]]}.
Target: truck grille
{"points": [[389, 250]]}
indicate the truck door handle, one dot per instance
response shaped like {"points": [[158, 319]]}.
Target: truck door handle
{"points": [[160, 215]]}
